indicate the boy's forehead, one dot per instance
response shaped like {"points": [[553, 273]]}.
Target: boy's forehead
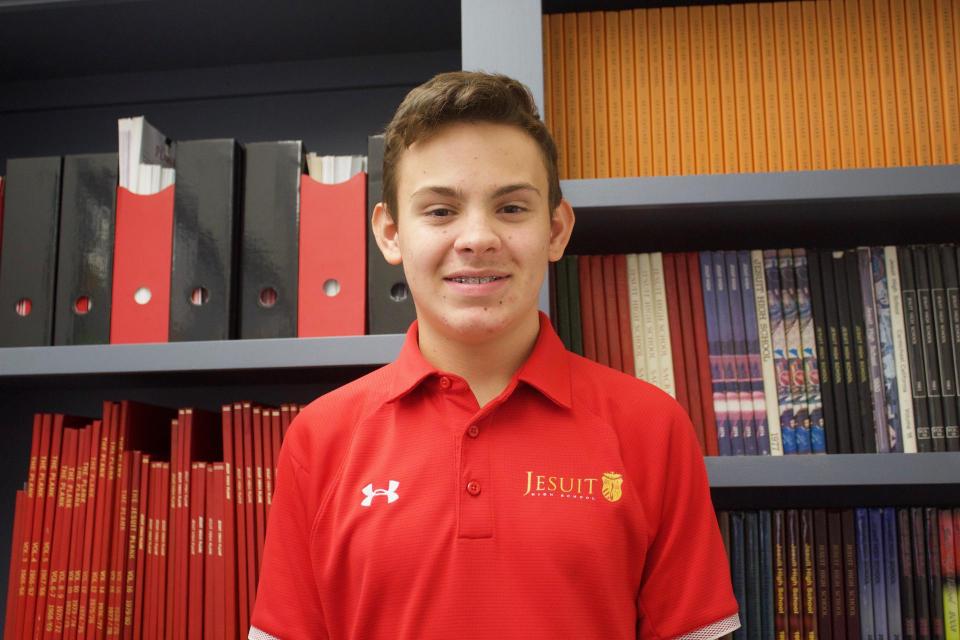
{"points": [[461, 152]]}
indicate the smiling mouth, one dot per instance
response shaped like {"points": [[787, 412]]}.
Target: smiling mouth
{"points": [[483, 280]]}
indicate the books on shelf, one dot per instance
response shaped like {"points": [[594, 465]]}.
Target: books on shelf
{"points": [[144, 523], [877, 572], [753, 87], [781, 352]]}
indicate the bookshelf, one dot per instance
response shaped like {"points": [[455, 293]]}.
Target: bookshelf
{"points": [[746, 211], [72, 108]]}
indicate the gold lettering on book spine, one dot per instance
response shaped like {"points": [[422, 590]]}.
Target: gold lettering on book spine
{"points": [[612, 488]]}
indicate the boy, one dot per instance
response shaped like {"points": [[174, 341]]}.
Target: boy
{"points": [[488, 483]]}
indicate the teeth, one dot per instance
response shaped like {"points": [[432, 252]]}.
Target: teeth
{"points": [[483, 280]]}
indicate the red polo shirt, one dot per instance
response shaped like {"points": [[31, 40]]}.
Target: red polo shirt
{"points": [[574, 505]]}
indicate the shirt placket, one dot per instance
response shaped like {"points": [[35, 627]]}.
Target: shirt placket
{"points": [[475, 486]]}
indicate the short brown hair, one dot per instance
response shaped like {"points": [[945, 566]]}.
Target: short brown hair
{"points": [[464, 96]]}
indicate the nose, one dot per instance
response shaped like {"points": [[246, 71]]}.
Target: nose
{"points": [[477, 233]]}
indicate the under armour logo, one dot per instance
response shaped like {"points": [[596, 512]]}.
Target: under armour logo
{"points": [[371, 493]]}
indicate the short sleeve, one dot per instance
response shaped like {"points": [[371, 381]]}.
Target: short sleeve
{"points": [[288, 603], [685, 589]]}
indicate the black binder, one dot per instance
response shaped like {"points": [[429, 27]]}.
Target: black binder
{"points": [[389, 303], [269, 254], [206, 225], [28, 261], [85, 267]]}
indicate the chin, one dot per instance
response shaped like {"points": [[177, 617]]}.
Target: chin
{"points": [[477, 324]]}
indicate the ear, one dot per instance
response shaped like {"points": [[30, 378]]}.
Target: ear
{"points": [[385, 232], [561, 226]]}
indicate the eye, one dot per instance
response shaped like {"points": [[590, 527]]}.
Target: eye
{"points": [[439, 213], [513, 208]]}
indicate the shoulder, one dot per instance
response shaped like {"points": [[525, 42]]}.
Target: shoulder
{"points": [[652, 429], [616, 396], [322, 431]]}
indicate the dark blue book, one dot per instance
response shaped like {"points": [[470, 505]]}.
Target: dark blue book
{"points": [[864, 574], [791, 327], [754, 363], [878, 579], [716, 355], [892, 574], [738, 573], [771, 269], [728, 350], [766, 574], [812, 429], [891, 388], [751, 535], [872, 339], [740, 353]]}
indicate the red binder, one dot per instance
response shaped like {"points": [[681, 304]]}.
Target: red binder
{"points": [[333, 247], [143, 247]]}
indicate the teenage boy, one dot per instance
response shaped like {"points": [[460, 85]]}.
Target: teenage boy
{"points": [[487, 483]]}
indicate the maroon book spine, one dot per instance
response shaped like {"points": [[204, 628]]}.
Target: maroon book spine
{"points": [[623, 315], [703, 354], [599, 310], [674, 321], [838, 619]]}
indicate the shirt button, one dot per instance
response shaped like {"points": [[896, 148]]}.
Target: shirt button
{"points": [[444, 382], [473, 488], [473, 431]]}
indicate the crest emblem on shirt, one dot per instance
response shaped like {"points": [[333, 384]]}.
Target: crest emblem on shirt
{"points": [[612, 488]]}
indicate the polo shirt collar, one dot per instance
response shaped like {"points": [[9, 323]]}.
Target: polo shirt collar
{"points": [[547, 369]]}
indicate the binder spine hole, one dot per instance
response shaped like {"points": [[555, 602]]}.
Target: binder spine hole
{"points": [[142, 295], [82, 305], [24, 306], [399, 292], [199, 296], [268, 297], [331, 287]]}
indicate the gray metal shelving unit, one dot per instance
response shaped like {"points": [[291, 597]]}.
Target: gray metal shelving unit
{"points": [[912, 204]]}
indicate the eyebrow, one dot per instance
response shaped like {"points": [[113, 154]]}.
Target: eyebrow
{"points": [[457, 193]]}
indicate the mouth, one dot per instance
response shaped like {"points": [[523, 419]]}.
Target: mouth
{"points": [[475, 280]]}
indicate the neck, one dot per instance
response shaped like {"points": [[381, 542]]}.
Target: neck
{"points": [[488, 365]]}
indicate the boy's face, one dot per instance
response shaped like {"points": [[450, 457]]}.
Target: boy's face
{"points": [[475, 230]]}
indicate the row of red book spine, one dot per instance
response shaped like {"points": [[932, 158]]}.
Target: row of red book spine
{"points": [[111, 541]]}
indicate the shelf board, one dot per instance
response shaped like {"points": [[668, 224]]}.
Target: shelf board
{"points": [[942, 181], [233, 355], [881, 470], [835, 481], [828, 209]]}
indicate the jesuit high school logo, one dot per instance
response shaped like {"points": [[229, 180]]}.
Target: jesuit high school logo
{"points": [[609, 485], [612, 486]]}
